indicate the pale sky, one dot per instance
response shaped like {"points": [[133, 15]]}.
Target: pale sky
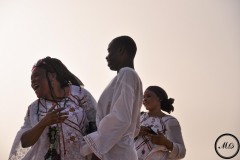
{"points": [[191, 48]]}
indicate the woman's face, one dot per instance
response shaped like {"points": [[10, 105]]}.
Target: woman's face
{"points": [[39, 83], [150, 100]]}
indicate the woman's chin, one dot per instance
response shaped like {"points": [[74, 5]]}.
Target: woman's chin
{"points": [[146, 108], [38, 95]]}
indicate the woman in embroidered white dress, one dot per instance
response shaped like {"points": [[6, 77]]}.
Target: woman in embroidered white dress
{"points": [[160, 137], [56, 122]]}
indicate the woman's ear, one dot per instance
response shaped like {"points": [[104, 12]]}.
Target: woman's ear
{"points": [[52, 76]]}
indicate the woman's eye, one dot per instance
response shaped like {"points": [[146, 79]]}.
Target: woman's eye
{"points": [[36, 77]]}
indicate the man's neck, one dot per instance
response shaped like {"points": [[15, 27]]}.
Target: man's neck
{"points": [[126, 65]]}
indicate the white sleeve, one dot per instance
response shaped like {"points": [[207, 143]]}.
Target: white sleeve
{"points": [[175, 136], [113, 126], [89, 105], [17, 152], [138, 127]]}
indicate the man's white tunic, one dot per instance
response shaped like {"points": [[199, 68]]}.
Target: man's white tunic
{"points": [[118, 118]]}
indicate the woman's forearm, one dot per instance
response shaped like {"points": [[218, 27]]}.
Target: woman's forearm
{"points": [[169, 145], [31, 136]]}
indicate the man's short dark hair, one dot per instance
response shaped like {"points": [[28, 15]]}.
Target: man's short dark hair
{"points": [[127, 43]]}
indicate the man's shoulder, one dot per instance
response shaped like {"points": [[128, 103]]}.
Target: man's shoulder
{"points": [[131, 76], [130, 73], [128, 70]]}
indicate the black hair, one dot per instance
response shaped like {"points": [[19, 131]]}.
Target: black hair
{"points": [[127, 43], [166, 103], [63, 75]]}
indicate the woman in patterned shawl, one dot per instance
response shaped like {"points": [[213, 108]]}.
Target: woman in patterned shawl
{"points": [[160, 137], [56, 122]]}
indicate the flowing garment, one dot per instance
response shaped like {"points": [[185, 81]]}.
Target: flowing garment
{"points": [[118, 118], [81, 107], [169, 126]]}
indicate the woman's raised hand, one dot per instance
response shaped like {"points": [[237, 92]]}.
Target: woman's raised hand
{"points": [[160, 139], [54, 116], [143, 131]]}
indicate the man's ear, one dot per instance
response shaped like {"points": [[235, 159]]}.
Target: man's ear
{"points": [[122, 50]]}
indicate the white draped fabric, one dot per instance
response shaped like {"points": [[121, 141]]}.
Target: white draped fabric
{"points": [[118, 118], [170, 127], [81, 107]]}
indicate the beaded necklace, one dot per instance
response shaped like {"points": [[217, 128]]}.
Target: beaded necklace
{"points": [[53, 135], [55, 131], [54, 139]]}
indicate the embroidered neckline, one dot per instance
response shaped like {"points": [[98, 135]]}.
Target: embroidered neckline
{"points": [[57, 128]]}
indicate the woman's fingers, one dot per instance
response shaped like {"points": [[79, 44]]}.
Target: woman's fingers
{"points": [[57, 110], [51, 109], [61, 119], [61, 116], [160, 133], [144, 129], [157, 139], [56, 115]]}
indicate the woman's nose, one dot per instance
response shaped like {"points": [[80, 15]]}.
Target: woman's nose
{"points": [[32, 79]]}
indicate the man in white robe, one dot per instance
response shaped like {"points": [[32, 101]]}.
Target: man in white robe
{"points": [[118, 109]]}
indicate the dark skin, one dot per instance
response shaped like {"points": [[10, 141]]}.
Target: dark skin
{"points": [[158, 138], [118, 57], [54, 116], [31, 136], [94, 157], [153, 105]]}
